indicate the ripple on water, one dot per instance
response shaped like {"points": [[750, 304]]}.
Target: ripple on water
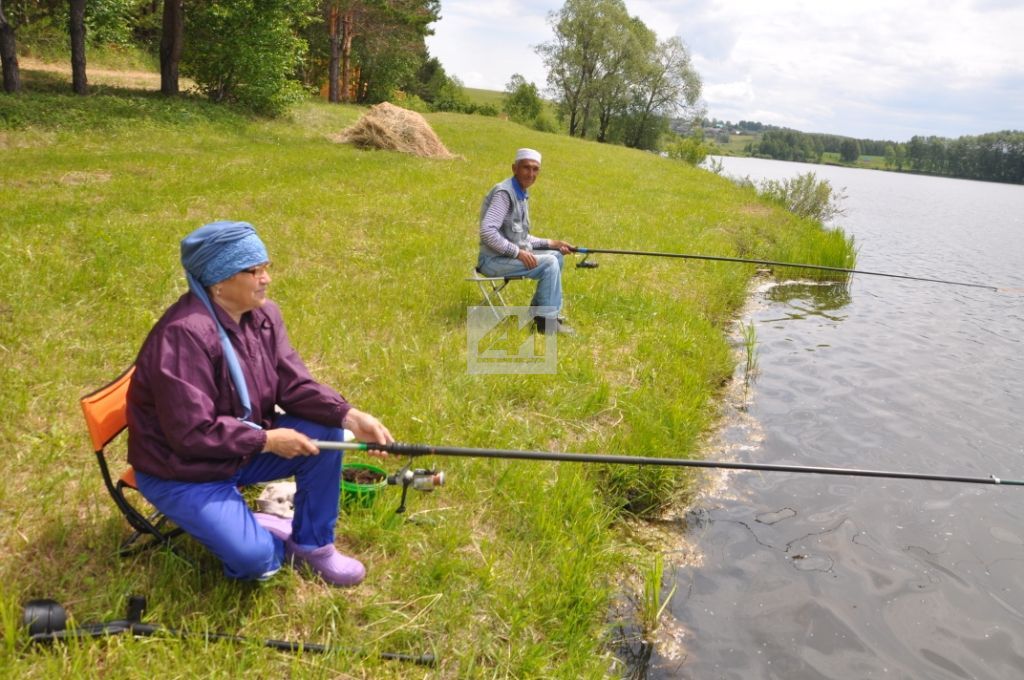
{"points": [[807, 577]]}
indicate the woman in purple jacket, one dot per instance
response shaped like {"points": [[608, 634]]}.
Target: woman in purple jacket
{"points": [[220, 399]]}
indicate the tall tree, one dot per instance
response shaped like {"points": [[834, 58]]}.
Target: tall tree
{"points": [[171, 42], [366, 37], [352, 14], [390, 47], [9, 54], [623, 64], [77, 28], [344, 20], [585, 32], [668, 84], [333, 25]]}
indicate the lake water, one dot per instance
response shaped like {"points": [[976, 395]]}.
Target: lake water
{"points": [[806, 576]]}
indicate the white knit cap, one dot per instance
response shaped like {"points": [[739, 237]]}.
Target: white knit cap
{"points": [[527, 155]]}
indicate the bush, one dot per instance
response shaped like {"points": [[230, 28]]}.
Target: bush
{"points": [[522, 101], [805, 195], [690, 150], [246, 51], [544, 123], [409, 101]]}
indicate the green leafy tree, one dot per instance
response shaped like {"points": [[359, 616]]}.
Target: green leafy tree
{"points": [[623, 65], [112, 22], [895, 156], [667, 85], [451, 96], [849, 151], [608, 72], [585, 32], [246, 51], [522, 100], [439, 90]]}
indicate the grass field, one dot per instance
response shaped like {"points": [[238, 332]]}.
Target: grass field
{"points": [[509, 570], [737, 145], [492, 97], [497, 99]]}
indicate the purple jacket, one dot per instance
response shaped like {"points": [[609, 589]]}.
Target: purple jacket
{"points": [[182, 406]]}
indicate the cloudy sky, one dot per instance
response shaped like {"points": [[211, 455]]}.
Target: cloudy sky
{"points": [[878, 69]]}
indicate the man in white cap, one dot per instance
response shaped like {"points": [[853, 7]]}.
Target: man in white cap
{"points": [[508, 249]]}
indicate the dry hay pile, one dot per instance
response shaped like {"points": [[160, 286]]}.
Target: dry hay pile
{"points": [[386, 126]]}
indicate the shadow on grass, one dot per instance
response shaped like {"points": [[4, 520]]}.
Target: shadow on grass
{"points": [[47, 102]]}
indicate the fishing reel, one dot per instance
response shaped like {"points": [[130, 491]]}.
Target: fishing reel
{"points": [[420, 479], [46, 621], [586, 264]]}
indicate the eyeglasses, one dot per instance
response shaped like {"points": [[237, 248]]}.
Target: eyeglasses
{"points": [[258, 271]]}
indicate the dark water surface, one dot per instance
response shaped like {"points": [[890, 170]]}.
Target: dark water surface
{"points": [[805, 576]]}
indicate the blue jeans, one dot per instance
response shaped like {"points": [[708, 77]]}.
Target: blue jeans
{"points": [[216, 514], [547, 274]]}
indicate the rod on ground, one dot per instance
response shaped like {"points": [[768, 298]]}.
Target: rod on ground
{"points": [[46, 622], [413, 450], [771, 263]]}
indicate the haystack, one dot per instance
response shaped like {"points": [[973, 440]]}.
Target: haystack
{"points": [[386, 126]]}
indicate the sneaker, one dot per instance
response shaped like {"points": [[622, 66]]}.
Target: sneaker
{"points": [[545, 325], [333, 567], [279, 527]]}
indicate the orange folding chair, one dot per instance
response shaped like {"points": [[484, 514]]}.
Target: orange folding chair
{"points": [[106, 417]]}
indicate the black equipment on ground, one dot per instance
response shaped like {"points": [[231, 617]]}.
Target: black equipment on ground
{"points": [[46, 622]]}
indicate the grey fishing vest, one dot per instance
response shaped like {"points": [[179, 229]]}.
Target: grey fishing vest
{"points": [[516, 225]]}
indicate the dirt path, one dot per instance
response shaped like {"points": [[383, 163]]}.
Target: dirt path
{"points": [[102, 76]]}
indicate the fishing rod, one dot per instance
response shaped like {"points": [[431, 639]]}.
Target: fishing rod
{"points": [[586, 252], [46, 622], [417, 450]]}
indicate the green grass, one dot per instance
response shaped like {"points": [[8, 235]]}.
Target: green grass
{"points": [[496, 98], [737, 145], [508, 570], [493, 97], [863, 161]]}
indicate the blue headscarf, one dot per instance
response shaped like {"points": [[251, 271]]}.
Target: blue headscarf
{"points": [[210, 254]]}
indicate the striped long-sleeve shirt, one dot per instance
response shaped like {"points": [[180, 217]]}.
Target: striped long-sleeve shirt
{"points": [[491, 222]]}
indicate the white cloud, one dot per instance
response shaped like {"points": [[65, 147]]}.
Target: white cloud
{"points": [[872, 68]]}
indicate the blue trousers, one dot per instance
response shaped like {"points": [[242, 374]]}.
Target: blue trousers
{"points": [[547, 274], [216, 514]]}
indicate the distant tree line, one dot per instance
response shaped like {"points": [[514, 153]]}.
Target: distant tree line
{"points": [[262, 54], [991, 157], [810, 147], [610, 76]]}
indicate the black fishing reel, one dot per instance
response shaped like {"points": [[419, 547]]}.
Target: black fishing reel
{"points": [[586, 264], [420, 479], [46, 621]]}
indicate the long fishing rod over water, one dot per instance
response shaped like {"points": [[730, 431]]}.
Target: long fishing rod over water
{"points": [[768, 263], [417, 450]]}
